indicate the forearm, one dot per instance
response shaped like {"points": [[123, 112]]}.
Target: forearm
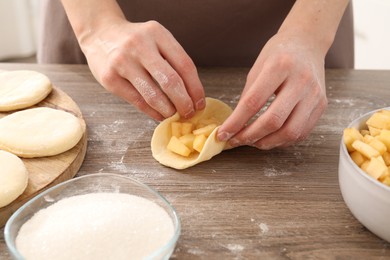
{"points": [[87, 15], [316, 20]]}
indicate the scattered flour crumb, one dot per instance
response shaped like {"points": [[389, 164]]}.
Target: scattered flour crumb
{"points": [[235, 248], [264, 228], [195, 251], [272, 172]]}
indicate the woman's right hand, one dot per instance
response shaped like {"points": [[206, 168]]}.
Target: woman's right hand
{"points": [[144, 64]]}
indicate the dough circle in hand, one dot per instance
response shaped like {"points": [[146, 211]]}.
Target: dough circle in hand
{"points": [[162, 134], [39, 132], [22, 88], [13, 177]]}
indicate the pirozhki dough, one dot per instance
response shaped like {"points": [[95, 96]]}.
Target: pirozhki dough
{"points": [[22, 88], [13, 177], [162, 134], [39, 132]]}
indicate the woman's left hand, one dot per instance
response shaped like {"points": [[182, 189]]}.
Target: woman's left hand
{"points": [[291, 67]]}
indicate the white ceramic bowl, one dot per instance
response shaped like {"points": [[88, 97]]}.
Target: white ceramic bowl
{"points": [[110, 183], [367, 198]]}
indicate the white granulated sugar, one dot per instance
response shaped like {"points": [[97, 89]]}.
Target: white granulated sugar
{"points": [[96, 226]]}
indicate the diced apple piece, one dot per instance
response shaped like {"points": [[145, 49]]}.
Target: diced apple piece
{"points": [[365, 149], [365, 165], [374, 131], [186, 128], [384, 136], [386, 158], [176, 129], [364, 132], [351, 135], [199, 142], [178, 147], [380, 158], [358, 158], [188, 140], [378, 145], [368, 138], [376, 168], [386, 112], [206, 130], [379, 120], [384, 175], [386, 180]]}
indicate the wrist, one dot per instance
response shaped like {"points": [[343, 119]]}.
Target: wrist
{"points": [[86, 17], [320, 42], [316, 21]]}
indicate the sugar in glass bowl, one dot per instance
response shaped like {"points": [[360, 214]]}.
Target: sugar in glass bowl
{"points": [[96, 216]]}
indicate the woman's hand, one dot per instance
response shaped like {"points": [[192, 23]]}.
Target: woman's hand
{"points": [[146, 66], [140, 62], [292, 68]]}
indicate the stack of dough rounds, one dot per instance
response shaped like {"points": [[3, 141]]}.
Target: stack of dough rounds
{"points": [[162, 134], [22, 88], [32, 132], [13, 177]]}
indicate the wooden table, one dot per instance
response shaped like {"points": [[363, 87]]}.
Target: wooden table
{"points": [[244, 203]]}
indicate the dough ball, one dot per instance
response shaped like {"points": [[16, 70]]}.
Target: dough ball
{"points": [[39, 132], [22, 88], [13, 177]]}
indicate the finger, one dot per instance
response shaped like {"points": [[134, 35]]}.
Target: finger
{"points": [[152, 93], [124, 89], [298, 126], [147, 88], [177, 57], [171, 84], [250, 103], [272, 119], [286, 135]]}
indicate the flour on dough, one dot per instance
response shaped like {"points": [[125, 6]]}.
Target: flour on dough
{"points": [[13, 177], [162, 134], [22, 88], [39, 132]]}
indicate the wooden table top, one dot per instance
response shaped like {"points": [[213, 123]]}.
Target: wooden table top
{"points": [[243, 203]]}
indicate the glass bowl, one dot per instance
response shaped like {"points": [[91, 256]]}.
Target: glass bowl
{"points": [[368, 199], [92, 183]]}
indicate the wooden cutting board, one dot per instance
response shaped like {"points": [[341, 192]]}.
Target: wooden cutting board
{"points": [[45, 172]]}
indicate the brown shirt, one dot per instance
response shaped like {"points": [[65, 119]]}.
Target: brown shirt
{"points": [[213, 32]]}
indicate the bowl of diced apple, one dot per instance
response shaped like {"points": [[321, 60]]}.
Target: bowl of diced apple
{"points": [[364, 170]]}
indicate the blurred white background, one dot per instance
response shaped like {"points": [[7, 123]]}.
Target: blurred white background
{"points": [[372, 34], [19, 20], [18, 28]]}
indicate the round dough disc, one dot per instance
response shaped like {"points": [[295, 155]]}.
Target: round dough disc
{"points": [[162, 134], [39, 132], [22, 88], [13, 177]]}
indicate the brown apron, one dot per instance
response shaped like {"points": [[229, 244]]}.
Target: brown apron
{"points": [[213, 33]]}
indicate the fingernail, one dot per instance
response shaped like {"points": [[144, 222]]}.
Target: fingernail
{"points": [[224, 136], [200, 104]]}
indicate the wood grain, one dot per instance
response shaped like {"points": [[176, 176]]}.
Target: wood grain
{"points": [[45, 172], [244, 203]]}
